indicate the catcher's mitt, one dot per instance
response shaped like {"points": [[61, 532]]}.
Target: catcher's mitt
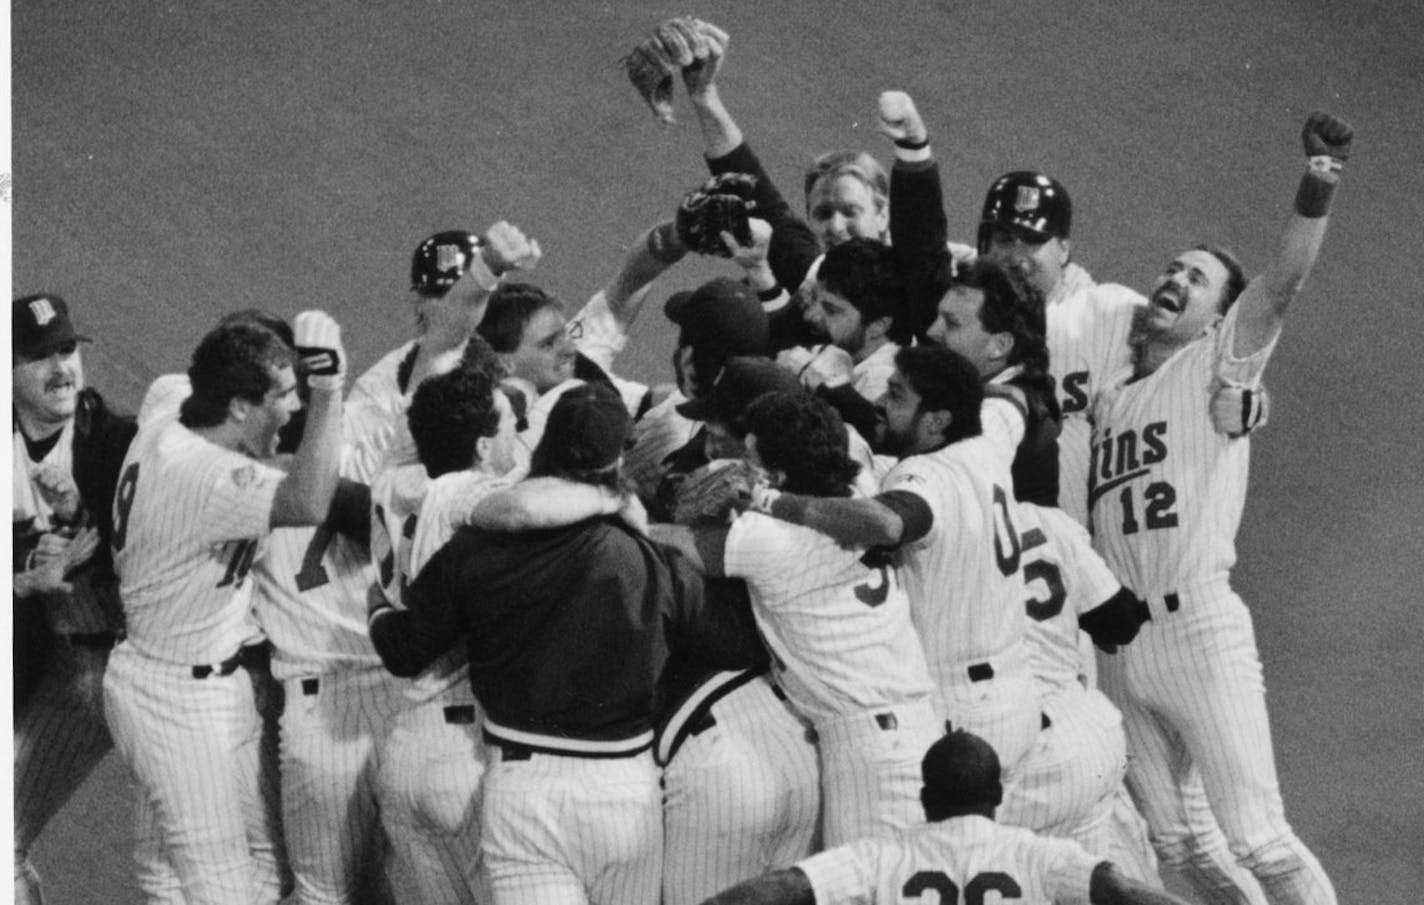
{"points": [[713, 491], [675, 45], [722, 204]]}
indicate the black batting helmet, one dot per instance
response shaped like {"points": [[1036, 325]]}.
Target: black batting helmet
{"points": [[1030, 202], [440, 261]]}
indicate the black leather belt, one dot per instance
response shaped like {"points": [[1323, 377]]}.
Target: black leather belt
{"points": [[245, 656], [460, 715]]}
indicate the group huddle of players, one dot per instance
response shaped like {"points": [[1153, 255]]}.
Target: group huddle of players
{"points": [[921, 532]]}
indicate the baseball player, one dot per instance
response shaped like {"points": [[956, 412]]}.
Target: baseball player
{"points": [[571, 805], [835, 621], [741, 782], [67, 449], [946, 509], [961, 856], [1167, 495], [192, 507], [1025, 223], [432, 761]]}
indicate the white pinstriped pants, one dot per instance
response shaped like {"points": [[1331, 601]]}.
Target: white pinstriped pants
{"points": [[1193, 697], [1065, 785], [560, 830], [193, 746], [740, 798], [870, 771], [330, 731], [428, 786]]}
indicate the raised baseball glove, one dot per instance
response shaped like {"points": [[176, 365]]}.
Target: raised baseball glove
{"points": [[711, 492], [675, 45], [723, 204]]}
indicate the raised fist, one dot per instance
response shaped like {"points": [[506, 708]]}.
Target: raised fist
{"points": [[317, 337], [1237, 410], [898, 118], [1325, 135]]}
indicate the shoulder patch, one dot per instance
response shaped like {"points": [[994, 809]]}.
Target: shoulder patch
{"points": [[244, 475]]}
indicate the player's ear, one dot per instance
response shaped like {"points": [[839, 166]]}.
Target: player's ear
{"points": [[483, 445], [934, 425], [238, 409], [1065, 251], [1001, 345], [878, 328]]}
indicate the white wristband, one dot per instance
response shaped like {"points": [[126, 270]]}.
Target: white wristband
{"points": [[1324, 163]]}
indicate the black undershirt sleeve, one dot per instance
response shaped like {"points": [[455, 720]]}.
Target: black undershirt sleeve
{"points": [[915, 514]]}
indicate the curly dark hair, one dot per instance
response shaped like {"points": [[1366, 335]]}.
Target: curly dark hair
{"points": [[234, 361], [448, 413], [509, 311], [863, 272], [945, 381], [803, 437]]}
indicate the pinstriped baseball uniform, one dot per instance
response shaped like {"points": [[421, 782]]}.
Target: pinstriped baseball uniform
{"points": [[967, 859], [1087, 331], [966, 591], [1167, 495], [1067, 783], [433, 759], [741, 793], [844, 650], [188, 520]]}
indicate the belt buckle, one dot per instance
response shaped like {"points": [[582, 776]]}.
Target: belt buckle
{"points": [[980, 672]]}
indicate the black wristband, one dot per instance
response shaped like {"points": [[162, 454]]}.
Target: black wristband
{"points": [[912, 145], [1313, 197]]}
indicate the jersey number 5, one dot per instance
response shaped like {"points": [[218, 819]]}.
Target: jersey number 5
{"points": [[974, 891]]}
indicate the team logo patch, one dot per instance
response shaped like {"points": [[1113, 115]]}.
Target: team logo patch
{"points": [[449, 257], [42, 310], [244, 475], [1027, 198], [575, 331]]}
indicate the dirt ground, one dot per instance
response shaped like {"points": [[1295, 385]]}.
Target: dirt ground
{"points": [[173, 161]]}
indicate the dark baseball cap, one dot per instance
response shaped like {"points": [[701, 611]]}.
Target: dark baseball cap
{"points": [[586, 431], [39, 325], [721, 316], [440, 261], [743, 380]]}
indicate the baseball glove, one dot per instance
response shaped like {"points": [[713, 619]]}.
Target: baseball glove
{"points": [[675, 45], [711, 492], [722, 204]]}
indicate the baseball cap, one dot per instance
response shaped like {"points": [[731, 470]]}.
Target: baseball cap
{"points": [[586, 431], [722, 316], [743, 380], [440, 261], [40, 324]]}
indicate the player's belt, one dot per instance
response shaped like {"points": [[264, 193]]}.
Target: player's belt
{"points": [[245, 656], [1161, 606], [694, 715], [514, 744]]}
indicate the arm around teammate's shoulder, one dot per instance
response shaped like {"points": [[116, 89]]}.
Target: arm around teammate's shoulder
{"points": [[887, 520], [1111, 887]]}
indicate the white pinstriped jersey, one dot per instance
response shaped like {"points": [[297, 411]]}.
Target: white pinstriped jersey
{"points": [[1064, 576], [411, 518], [838, 629], [963, 578], [189, 517], [1167, 489], [962, 861], [1087, 351]]}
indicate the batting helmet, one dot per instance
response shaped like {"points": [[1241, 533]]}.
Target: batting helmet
{"points": [[1030, 202], [440, 261]]}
